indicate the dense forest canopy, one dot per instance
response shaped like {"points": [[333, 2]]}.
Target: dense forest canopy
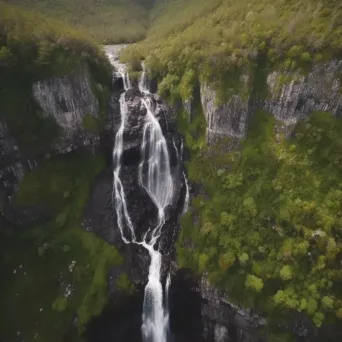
{"points": [[107, 21]]}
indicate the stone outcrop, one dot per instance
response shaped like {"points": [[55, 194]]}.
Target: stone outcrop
{"points": [[68, 99], [223, 321], [298, 96], [291, 97], [229, 119]]}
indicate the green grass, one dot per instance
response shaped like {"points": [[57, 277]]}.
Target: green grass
{"points": [[46, 252]]}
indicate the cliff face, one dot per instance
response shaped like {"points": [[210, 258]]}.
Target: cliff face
{"points": [[224, 321], [290, 97], [68, 100]]}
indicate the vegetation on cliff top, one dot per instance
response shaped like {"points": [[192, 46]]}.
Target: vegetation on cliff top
{"points": [[54, 270], [268, 229], [221, 40]]}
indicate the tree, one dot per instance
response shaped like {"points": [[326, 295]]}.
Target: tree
{"points": [[312, 306], [285, 272], [243, 258], [202, 262], [279, 297], [318, 319], [6, 57], [227, 260], [254, 283], [327, 302]]}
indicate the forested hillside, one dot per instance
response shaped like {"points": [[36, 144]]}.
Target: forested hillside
{"points": [[267, 227], [107, 21]]}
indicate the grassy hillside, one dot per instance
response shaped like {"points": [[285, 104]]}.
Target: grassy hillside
{"points": [[107, 21]]}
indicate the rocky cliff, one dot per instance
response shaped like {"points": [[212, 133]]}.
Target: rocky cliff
{"points": [[69, 101], [291, 96]]}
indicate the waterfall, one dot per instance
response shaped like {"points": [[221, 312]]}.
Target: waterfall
{"points": [[156, 178], [143, 82], [187, 195], [112, 53], [154, 169], [119, 198]]}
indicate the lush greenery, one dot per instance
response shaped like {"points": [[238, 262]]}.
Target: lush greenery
{"points": [[220, 40], [30, 51], [107, 21], [267, 226], [54, 270]]}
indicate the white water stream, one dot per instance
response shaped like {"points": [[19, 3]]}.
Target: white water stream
{"points": [[156, 178]]}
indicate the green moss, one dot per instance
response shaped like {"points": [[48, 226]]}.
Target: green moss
{"points": [[124, 284], [55, 256], [193, 129], [90, 123], [60, 304]]}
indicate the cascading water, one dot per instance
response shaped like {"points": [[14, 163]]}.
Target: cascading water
{"points": [[112, 53], [143, 82], [156, 178], [119, 198], [187, 195]]}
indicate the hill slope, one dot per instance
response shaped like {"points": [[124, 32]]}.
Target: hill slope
{"points": [[108, 21]]}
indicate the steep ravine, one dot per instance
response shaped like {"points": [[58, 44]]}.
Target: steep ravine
{"points": [[198, 311]]}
